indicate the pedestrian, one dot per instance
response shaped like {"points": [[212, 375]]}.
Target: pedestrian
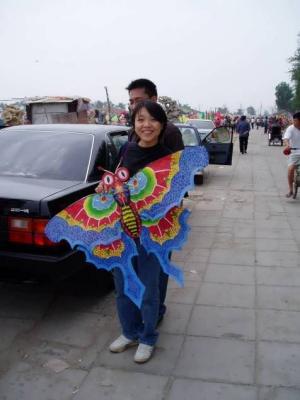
{"points": [[144, 89], [252, 122], [266, 124], [243, 129], [292, 149], [257, 122], [139, 325]]}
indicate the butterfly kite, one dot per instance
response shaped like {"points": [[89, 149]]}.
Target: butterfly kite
{"points": [[146, 208]]}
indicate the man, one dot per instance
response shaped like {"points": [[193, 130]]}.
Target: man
{"points": [[266, 124], [243, 129], [144, 89], [292, 148]]}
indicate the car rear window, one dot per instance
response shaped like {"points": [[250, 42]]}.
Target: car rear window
{"points": [[45, 155], [202, 124], [189, 136]]}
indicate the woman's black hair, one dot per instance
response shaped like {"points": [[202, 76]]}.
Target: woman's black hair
{"points": [[155, 110]]}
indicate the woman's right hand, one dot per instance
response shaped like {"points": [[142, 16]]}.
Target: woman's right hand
{"points": [[99, 188]]}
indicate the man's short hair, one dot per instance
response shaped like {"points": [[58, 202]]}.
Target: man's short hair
{"points": [[146, 84], [243, 117], [296, 115]]}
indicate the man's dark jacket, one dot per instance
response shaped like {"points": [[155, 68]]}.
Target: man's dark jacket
{"points": [[243, 128]]}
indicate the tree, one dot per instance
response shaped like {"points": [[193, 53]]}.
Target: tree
{"points": [[223, 110], [170, 106], [240, 111], [284, 96], [251, 110], [295, 76], [122, 106], [99, 104]]}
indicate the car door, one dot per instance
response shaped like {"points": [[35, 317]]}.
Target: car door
{"points": [[219, 145]]}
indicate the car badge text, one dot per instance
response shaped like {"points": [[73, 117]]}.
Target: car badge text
{"points": [[18, 210]]}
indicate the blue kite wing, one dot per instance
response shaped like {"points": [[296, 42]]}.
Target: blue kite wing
{"points": [[191, 160]]}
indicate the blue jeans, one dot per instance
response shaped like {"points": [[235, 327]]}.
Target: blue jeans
{"points": [[140, 324], [163, 285]]}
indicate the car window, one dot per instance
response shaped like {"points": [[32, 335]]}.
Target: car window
{"points": [[189, 137], [219, 135], [202, 124], [119, 139], [45, 155]]}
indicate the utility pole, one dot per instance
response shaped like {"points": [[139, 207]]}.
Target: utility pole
{"points": [[108, 104]]}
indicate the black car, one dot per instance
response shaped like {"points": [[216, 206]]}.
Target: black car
{"points": [[44, 168]]}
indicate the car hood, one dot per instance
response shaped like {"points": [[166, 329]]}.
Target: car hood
{"points": [[19, 188]]}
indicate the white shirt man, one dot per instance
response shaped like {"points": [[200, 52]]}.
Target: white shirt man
{"points": [[292, 143]]}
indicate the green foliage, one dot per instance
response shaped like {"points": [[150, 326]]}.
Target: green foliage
{"points": [[251, 110], [223, 110], [295, 76], [284, 96]]}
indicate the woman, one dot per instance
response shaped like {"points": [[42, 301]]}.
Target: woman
{"points": [[139, 325]]}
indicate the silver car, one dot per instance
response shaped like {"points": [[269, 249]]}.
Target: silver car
{"points": [[203, 126]]}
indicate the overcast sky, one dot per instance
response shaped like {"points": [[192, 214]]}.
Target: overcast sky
{"points": [[206, 53]]}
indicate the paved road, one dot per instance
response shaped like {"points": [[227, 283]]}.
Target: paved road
{"points": [[233, 332]]}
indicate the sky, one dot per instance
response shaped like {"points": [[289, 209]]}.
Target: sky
{"points": [[205, 53]]}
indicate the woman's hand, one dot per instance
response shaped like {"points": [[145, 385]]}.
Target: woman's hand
{"points": [[100, 188]]}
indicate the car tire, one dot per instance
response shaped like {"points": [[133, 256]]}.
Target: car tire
{"points": [[198, 179], [101, 279]]}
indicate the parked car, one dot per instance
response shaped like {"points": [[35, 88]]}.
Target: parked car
{"points": [[204, 126], [44, 168], [218, 143]]}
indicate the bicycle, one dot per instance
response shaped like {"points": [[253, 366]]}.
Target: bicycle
{"points": [[296, 181]]}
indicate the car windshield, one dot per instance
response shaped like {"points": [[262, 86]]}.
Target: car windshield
{"points": [[45, 155], [201, 124]]}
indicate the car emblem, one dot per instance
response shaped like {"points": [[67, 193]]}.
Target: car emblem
{"points": [[19, 210]]}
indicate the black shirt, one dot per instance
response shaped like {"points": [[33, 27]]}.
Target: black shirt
{"points": [[135, 157]]}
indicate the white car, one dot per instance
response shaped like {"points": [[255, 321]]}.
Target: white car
{"points": [[203, 126]]}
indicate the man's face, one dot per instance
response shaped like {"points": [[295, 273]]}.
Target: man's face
{"points": [[138, 95], [296, 123]]}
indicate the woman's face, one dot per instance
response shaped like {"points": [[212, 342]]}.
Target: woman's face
{"points": [[147, 128]]}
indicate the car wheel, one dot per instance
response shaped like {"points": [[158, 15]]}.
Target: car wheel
{"points": [[295, 188], [101, 279], [198, 179]]}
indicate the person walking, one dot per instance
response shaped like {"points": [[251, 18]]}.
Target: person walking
{"points": [[266, 124], [243, 129], [292, 149]]}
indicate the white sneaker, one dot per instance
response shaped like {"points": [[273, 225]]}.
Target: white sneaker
{"points": [[143, 353], [121, 344]]}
